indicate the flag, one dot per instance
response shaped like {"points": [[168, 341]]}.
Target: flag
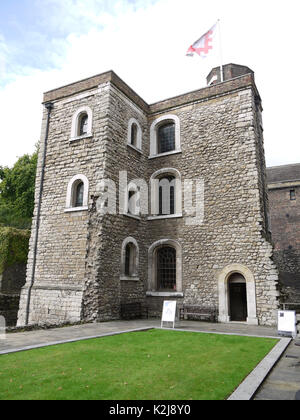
{"points": [[204, 45]]}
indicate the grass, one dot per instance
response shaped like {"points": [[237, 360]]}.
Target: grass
{"points": [[150, 365]]}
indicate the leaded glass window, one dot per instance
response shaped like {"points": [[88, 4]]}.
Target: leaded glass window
{"points": [[166, 138], [166, 268]]}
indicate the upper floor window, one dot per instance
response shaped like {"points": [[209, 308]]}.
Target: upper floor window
{"points": [[165, 136], [166, 193], [134, 136], [77, 194], [82, 123]]}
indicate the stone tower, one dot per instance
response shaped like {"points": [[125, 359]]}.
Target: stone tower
{"points": [[142, 203]]}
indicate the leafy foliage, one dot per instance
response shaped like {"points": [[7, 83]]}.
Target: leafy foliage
{"points": [[17, 192], [13, 247]]}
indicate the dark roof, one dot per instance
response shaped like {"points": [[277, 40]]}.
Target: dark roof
{"points": [[283, 173]]}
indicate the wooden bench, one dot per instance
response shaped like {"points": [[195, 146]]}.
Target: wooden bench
{"points": [[197, 311], [133, 310]]}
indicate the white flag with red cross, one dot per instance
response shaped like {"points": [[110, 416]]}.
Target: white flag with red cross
{"points": [[204, 45]]}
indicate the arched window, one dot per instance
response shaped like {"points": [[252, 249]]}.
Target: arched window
{"points": [[77, 194], [134, 130], [165, 268], [165, 136], [82, 123], [134, 137], [129, 259], [166, 193]]}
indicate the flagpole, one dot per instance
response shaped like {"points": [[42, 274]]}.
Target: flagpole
{"points": [[220, 52]]}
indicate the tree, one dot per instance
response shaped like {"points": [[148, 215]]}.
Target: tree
{"points": [[17, 192]]}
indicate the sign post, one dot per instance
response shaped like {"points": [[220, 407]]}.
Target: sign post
{"points": [[169, 312], [287, 323]]}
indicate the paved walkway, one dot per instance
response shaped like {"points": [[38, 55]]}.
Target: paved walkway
{"points": [[281, 384]]}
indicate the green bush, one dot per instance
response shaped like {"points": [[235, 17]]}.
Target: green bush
{"points": [[14, 245]]}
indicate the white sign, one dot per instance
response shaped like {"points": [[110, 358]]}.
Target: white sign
{"points": [[287, 322], [2, 328], [169, 312]]}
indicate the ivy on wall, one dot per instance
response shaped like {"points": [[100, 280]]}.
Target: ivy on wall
{"points": [[14, 245]]}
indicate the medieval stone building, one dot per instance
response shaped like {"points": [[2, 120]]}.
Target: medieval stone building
{"points": [[145, 203], [284, 197]]}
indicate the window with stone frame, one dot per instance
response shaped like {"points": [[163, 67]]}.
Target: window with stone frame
{"points": [[129, 259], [166, 138], [134, 136], [81, 123], [77, 193]]}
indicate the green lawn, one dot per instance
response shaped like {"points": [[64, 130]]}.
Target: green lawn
{"points": [[150, 365]]}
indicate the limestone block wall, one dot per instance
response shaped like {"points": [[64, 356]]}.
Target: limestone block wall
{"points": [[219, 145], [60, 265], [285, 222], [79, 261]]}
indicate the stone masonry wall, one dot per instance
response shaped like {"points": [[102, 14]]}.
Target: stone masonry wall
{"points": [[60, 268], [79, 253], [285, 221]]}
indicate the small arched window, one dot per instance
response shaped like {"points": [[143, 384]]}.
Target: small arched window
{"points": [[82, 123], [134, 137], [129, 259], [77, 194], [165, 136], [134, 130]]}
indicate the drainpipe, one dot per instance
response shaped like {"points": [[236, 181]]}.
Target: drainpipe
{"points": [[49, 107]]}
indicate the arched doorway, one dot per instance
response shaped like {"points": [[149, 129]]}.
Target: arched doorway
{"points": [[237, 297], [246, 277]]}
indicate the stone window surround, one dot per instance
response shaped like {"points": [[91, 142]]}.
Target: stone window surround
{"points": [[153, 135], [223, 289], [138, 146], [154, 194], [152, 264], [71, 190], [134, 276], [75, 123]]}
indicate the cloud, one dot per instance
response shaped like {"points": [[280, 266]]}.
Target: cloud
{"points": [[144, 42], [3, 57]]}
